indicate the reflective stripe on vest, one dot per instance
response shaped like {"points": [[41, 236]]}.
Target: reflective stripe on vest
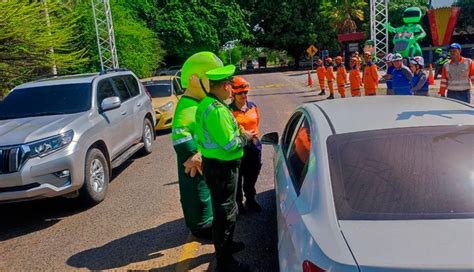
{"points": [[183, 140], [457, 75]]}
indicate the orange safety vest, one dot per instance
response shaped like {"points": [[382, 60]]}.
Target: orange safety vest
{"points": [[457, 76], [354, 79], [370, 78], [330, 73], [249, 119], [321, 72], [341, 75]]}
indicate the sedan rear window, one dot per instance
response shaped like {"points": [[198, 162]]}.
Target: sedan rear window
{"points": [[400, 174], [159, 90], [46, 100]]}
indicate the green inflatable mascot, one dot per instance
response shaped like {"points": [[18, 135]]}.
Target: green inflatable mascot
{"points": [[194, 193], [407, 36]]}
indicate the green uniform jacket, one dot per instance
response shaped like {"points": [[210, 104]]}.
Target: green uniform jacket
{"points": [[194, 194], [217, 134]]}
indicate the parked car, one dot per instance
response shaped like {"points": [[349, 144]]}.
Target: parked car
{"points": [[165, 92], [170, 71], [376, 184], [64, 135]]}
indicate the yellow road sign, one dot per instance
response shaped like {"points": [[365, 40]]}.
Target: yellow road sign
{"points": [[312, 50]]}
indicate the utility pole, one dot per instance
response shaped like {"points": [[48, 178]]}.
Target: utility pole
{"points": [[104, 29], [378, 31]]}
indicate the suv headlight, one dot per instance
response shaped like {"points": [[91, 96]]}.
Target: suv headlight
{"points": [[49, 145], [166, 107]]}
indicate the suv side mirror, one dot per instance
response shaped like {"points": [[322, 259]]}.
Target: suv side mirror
{"points": [[110, 103], [270, 138]]}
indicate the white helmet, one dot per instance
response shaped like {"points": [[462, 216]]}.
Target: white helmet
{"points": [[389, 57], [418, 60], [397, 56]]}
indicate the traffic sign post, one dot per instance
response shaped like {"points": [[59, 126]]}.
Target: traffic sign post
{"points": [[312, 50]]}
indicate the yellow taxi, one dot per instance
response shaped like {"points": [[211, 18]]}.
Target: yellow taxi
{"points": [[165, 92]]}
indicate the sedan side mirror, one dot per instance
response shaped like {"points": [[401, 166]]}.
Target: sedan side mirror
{"points": [[270, 138], [110, 103]]}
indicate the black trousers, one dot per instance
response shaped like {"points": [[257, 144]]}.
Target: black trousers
{"points": [[221, 178], [248, 172]]}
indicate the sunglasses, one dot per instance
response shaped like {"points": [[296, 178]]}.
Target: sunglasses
{"points": [[241, 93]]}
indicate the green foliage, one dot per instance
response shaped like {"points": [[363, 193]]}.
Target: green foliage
{"points": [[34, 38], [345, 15], [292, 25], [190, 26], [465, 18]]}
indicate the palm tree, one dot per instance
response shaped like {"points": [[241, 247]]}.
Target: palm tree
{"points": [[344, 13]]}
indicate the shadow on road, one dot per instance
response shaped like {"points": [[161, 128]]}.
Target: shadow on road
{"points": [[22, 218], [133, 248]]}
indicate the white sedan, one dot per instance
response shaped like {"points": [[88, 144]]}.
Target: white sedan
{"points": [[376, 184]]}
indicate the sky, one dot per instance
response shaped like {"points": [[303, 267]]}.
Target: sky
{"points": [[441, 3]]}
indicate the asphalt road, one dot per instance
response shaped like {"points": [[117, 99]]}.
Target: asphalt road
{"points": [[140, 225]]}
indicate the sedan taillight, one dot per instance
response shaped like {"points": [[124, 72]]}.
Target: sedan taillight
{"points": [[311, 267]]}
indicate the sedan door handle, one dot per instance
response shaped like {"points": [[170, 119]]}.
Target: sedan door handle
{"points": [[139, 104], [123, 112]]}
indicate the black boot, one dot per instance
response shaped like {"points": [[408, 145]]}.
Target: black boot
{"points": [[331, 96], [236, 246], [241, 208], [323, 92], [253, 205], [231, 265], [204, 233]]}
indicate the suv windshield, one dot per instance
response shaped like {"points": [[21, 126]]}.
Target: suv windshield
{"points": [[159, 89], [46, 100], [400, 174]]}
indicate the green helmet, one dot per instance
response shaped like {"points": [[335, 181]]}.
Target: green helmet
{"points": [[438, 50], [201, 63]]}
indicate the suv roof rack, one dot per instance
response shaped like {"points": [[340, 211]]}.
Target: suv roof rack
{"points": [[103, 72]]}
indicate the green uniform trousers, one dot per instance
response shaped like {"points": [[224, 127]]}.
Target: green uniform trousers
{"points": [[221, 177], [195, 198]]}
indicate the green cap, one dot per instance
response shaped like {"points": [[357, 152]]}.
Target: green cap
{"points": [[221, 72], [199, 64]]}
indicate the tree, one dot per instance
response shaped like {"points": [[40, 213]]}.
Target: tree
{"points": [[292, 25], [465, 19], [27, 37], [345, 14], [190, 26]]}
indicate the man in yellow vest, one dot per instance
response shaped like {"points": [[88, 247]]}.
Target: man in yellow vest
{"points": [[221, 142]]}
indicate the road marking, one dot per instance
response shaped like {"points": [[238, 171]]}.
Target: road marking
{"points": [[187, 253], [270, 86]]}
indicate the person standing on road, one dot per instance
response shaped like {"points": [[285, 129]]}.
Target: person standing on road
{"points": [[457, 76], [388, 75], [195, 195], [370, 77], [330, 77], [248, 116], [321, 72], [401, 76], [221, 144], [341, 77], [354, 77], [419, 82]]}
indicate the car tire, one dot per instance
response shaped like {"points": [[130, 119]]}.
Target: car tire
{"points": [[96, 178], [147, 137]]}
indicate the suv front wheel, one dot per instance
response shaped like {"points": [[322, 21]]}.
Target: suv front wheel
{"points": [[147, 136], [96, 178]]}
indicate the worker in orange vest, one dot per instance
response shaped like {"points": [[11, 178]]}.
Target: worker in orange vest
{"points": [[330, 77], [354, 77], [247, 115], [371, 76], [341, 77], [321, 72]]}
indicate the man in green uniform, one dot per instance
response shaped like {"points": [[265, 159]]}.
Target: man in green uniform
{"points": [[194, 192], [220, 142]]}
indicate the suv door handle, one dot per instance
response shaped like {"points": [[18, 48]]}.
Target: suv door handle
{"points": [[139, 104], [123, 112]]}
